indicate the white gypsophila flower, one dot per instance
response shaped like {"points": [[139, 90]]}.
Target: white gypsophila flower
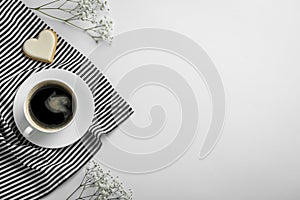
{"points": [[103, 185], [94, 13]]}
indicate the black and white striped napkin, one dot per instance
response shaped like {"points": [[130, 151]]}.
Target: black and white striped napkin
{"points": [[26, 170]]}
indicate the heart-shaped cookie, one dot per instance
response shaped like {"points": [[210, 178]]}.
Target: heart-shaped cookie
{"points": [[43, 48]]}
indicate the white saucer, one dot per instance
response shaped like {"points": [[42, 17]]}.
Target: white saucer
{"points": [[83, 117]]}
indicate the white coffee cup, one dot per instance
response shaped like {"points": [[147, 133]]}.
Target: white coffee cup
{"points": [[33, 122]]}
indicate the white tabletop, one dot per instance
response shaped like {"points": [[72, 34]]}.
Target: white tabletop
{"points": [[255, 46]]}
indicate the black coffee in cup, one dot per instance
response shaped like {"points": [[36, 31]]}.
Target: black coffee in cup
{"points": [[51, 105]]}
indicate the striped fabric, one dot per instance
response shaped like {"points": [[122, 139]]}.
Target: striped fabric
{"points": [[26, 170]]}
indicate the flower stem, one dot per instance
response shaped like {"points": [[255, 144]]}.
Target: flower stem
{"points": [[46, 4], [63, 20], [77, 187], [62, 4], [73, 192]]}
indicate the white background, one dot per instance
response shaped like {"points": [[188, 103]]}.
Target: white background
{"points": [[255, 46]]}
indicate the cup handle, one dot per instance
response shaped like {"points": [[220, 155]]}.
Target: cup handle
{"points": [[28, 131]]}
